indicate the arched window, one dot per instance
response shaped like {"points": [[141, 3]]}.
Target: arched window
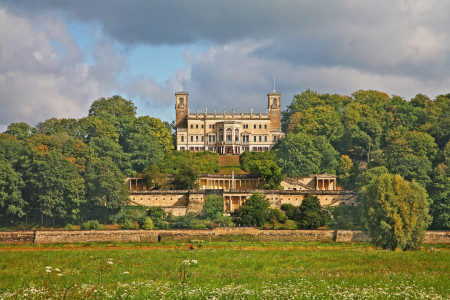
{"points": [[236, 135], [229, 135], [220, 135], [181, 102]]}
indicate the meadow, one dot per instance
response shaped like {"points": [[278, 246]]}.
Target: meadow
{"points": [[222, 270]]}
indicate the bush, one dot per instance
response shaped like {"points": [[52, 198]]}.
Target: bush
{"points": [[224, 221], [148, 224], [309, 215], [91, 225], [213, 207], [161, 224], [198, 225], [128, 224], [133, 213], [156, 213], [68, 226], [289, 209]]}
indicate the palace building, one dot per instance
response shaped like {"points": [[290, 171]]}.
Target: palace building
{"points": [[227, 133]]}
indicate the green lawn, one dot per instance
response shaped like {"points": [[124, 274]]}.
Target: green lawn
{"points": [[224, 270]]}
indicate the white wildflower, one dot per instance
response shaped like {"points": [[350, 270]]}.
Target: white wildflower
{"points": [[126, 272], [48, 270]]}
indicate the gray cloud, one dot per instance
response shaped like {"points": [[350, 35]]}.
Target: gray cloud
{"points": [[43, 74], [403, 37], [397, 47]]}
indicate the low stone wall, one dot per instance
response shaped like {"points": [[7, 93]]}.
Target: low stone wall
{"points": [[437, 237], [16, 237], [154, 236], [297, 235]]}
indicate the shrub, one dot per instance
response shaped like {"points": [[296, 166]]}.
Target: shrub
{"points": [[309, 215], [128, 224], [148, 224], [156, 213], [68, 226], [289, 209], [91, 225], [132, 213], [224, 221], [213, 207], [161, 224]]}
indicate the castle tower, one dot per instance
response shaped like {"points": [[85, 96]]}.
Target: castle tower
{"points": [[274, 107], [181, 108]]}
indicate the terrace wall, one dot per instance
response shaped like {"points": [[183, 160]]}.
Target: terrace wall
{"points": [[154, 236]]}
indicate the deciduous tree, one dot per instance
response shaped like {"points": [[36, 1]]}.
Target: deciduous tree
{"points": [[395, 212]]}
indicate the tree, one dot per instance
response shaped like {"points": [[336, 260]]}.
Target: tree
{"points": [[213, 207], [156, 213], [105, 185], [440, 193], [308, 215], [395, 212], [104, 146], [255, 212], [289, 210], [186, 177], [55, 187], [411, 168], [154, 178], [22, 131], [297, 155], [11, 202], [145, 150]]}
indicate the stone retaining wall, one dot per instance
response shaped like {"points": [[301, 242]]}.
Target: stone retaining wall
{"points": [[154, 236]]}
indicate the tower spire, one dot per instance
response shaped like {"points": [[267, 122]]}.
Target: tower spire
{"points": [[274, 89]]}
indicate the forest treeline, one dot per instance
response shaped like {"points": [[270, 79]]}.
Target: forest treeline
{"points": [[70, 170]]}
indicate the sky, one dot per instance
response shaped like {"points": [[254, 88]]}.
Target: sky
{"points": [[57, 57]]}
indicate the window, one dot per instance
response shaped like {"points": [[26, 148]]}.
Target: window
{"points": [[254, 138], [203, 138], [196, 138], [192, 138], [265, 138], [212, 126], [196, 126], [236, 135], [202, 126], [274, 138], [220, 135], [265, 126], [229, 135], [254, 126], [192, 126], [260, 138], [182, 138], [259, 126]]}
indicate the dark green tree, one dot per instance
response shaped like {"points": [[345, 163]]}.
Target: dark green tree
{"points": [[255, 212], [12, 204], [186, 178], [22, 131], [55, 187], [156, 213], [309, 215], [105, 185], [213, 207], [297, 155]]}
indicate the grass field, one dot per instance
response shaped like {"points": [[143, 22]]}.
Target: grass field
{"points": [[222, 270]]}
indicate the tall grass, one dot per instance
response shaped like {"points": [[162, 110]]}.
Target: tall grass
{"points": [[247, 269]]}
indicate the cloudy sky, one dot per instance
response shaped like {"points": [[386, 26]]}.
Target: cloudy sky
{"points": [[57, 57]]}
